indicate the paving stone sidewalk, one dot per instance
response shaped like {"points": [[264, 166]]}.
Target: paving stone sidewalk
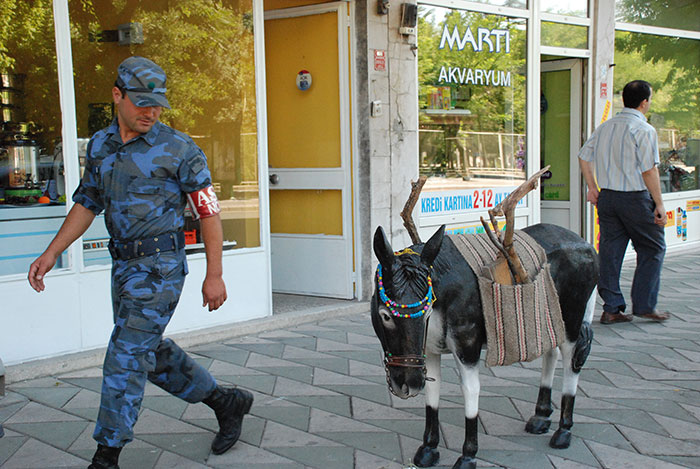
{"points": [[321, 401]]}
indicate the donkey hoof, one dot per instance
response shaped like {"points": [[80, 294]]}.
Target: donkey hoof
{"points": [[538, 425], [561, 439], [465, 462], [426, 456]]}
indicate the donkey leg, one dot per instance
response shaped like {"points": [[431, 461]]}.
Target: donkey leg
{"points": [[470, 390], [428, 455], [540, 422], [574, 355], [562, 437]]}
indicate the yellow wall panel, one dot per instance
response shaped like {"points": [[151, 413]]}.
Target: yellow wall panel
{"points": [[305, 124], [279, 4], [306, 212]]}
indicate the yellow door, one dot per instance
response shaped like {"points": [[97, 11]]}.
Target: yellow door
{"points": [[309, 151]]}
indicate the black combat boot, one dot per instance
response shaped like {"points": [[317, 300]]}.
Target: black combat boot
{"points": [[230, 405], [105, 458]]}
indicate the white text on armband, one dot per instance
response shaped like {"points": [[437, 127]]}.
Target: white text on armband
{"points": [[203, 203]]}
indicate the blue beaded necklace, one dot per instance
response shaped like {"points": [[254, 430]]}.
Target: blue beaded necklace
{"points": [[392, 305]]}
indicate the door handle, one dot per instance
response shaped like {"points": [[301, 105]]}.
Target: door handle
{"points": [[274, 179]]}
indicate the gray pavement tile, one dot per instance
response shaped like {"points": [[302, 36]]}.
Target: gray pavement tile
{"points": [[412, 428], [321, 422], [367, 410], [686, 461], [92, 383], [204, 362], [151, 422], [452, 437], [363, 339], [35, 454], [168, 405], [692, 409], [605, 433], [369, 357], [219, 368], [83, 399], [269, 348], [679, 429], [628, 382], [8, 411], [261, 383], [578, 451], [318, 456], [299, 372], [336, 404], [58, 434], [35, 412], [194, 446], [339, 365], [383, 444], [88, 413], [223, 353], [9, 444], [371, 392], [300, 342], [250, 457], [611, 457], [499, 425], [366, 460], [11, 398], [289, 387], [500, 405], [563, 463], [55, 396], [658, 406], [624, 416], [516, 459], [686, 385], [326, 377], [620, 368], [145, 458], [326, 336], [168, 460], [278, 435], [657, 445], [296, 416]]}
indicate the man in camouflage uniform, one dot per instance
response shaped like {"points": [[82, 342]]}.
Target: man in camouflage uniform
{"points": [[142, 173]]}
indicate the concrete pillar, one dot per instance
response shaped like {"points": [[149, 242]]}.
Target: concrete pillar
{"points": [[603, 58]]}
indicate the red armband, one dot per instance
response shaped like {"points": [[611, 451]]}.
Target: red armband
{"points": [[203, 203]]}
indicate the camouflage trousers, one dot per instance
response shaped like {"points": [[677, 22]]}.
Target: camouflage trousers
{"points": [[145, 292]]}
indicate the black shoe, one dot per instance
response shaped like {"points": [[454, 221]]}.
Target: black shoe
{"points": [[230, 405], [105, 458]]}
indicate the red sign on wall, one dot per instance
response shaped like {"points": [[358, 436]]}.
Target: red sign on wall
{"points": [[604, 91], [379, 60]]}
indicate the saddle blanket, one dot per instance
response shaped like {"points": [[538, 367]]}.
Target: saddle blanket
{"points": [[522, 321]]}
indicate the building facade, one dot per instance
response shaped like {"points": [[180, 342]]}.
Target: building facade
{"points": [[315, 117]]}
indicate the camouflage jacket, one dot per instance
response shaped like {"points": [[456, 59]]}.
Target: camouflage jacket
{"points": [[142, 184]]}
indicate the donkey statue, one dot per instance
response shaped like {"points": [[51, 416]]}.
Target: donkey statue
{"points": [[427, 302]]}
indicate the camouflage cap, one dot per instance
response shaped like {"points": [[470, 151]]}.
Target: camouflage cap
{"points": [[144, 82]]}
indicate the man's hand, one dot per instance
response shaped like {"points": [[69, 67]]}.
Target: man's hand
{"points": [[38, 269], [592, 195], [660, 217], [213, 292]]}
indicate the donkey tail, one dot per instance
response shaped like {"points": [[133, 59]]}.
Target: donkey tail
{"points": [[585, 336]]}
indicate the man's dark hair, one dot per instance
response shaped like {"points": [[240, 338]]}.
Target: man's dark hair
{"points": [[635, 92], [119, 84]]}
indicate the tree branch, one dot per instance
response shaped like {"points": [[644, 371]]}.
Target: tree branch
{"points": [[407, 212]]}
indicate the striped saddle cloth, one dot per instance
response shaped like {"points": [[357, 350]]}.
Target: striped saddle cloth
{"points": [[522, 321]]}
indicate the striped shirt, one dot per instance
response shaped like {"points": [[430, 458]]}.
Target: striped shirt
{"points": [[622, 149]]}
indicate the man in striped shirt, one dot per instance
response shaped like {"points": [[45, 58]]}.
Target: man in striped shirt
{"points": [[624, 153]]}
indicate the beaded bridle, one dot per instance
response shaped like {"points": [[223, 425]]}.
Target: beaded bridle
{"points": [[406, 361]]}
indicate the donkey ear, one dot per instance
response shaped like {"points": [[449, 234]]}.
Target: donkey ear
{"points": [[432, 247], [382, 248]]}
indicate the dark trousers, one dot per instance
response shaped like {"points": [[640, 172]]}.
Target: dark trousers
{"points": [[626, 216]]}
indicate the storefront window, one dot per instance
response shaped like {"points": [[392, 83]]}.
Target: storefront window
{"points": [[206, 48], [672, 66], [565, 7], [31, 173], [472, 142], [564, 35], [677, 14]]}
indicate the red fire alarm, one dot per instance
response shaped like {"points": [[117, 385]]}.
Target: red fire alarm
{"points": [[379, 60]]}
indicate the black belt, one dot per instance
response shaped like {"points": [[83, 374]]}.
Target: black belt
{"points": [[147, 246]]}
